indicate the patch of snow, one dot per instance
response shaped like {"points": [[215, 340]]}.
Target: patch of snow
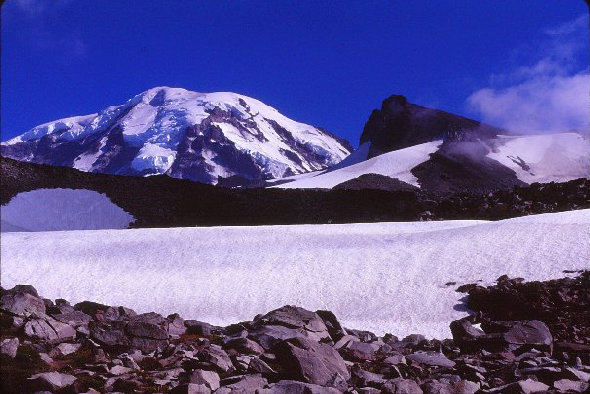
{"points": [[396, 164], [155, 158], [384, 277], [62, 209], [545, 158]]}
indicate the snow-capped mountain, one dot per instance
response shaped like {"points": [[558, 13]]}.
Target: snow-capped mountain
{"points": [[445, 153], [205, 137]]}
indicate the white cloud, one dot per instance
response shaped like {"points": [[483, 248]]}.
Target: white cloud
{"points": [[549, 95]]}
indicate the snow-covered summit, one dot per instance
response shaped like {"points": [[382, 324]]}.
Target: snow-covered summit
{"points": [[205, 137]]}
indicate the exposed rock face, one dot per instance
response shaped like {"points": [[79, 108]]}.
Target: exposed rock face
{"points": [[375, 182], [160, 201], [400, 124], [293, 350]]}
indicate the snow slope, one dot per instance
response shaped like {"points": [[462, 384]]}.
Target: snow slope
{"points": [[385, 277], [206, 134], [397, 164], [62, 209], [545, 158], [537, 158]]}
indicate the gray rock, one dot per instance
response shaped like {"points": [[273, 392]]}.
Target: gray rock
{"points": [[208, 378], [74, 318], [190, 388], [176, 325], [109, 333], [48, 329], [9, 346], [22, 304], [531, 386], [256, 365], [360, 350], [270, 335], [195, 327], [401, 386], [217, 357], [244, 346], [295, 387], [120, 370], [148, 325], [244, 384], [571, 385], [345, 340], [395, 359], [413, 339], [90, 308], [460, 387], [433, 359], [147, 345], [335, 329], [293, 317], [532, 333], [362, 378], [26, 289], [312, 362], [51, 381], [574, 373], [63, 349]]}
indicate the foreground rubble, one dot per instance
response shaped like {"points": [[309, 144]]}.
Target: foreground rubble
{"points": [[524, 338]]}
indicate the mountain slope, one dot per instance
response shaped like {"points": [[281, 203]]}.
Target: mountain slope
{"points": [[477, 166], [204, 137]]}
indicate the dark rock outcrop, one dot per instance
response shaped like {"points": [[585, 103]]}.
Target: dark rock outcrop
{"points": [[400, 124]]}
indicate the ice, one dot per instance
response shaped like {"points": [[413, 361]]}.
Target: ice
{"points": [[62, 209], [384, 277], [545, 158]]}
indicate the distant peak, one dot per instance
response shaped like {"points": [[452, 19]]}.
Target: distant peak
{"points": [[396, 99]]}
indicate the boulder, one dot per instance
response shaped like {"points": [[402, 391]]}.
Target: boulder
{"points": [[25, 289], [208, 378], [195, 327], [401, 386], [50, 381], [48, 329], [9, 346], [217, 357], [335, 329], [243, 384], [74, 318], [90, 308], [244, 346], [432, 359], [256, 365], [571, 386], [22, 304], [63, 349], [190, 388], [359, 351], [110, 333], [176, 325], [529, 334], [312, 362], [295, 387], [288, 322]]}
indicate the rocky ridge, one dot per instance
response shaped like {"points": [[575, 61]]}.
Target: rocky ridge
{"points": [[539, 345], [161, 201]]}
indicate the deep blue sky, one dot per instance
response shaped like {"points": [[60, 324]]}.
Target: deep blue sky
{"points": [[327, 63]]}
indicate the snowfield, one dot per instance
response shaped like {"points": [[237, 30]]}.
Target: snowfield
{"points": [[545, 158], [535, 158], [384, 277], [397, 164], [62, 209]]}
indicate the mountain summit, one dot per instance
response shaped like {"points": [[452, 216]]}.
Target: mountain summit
{"points": [[400, 124], [212, 138]]}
